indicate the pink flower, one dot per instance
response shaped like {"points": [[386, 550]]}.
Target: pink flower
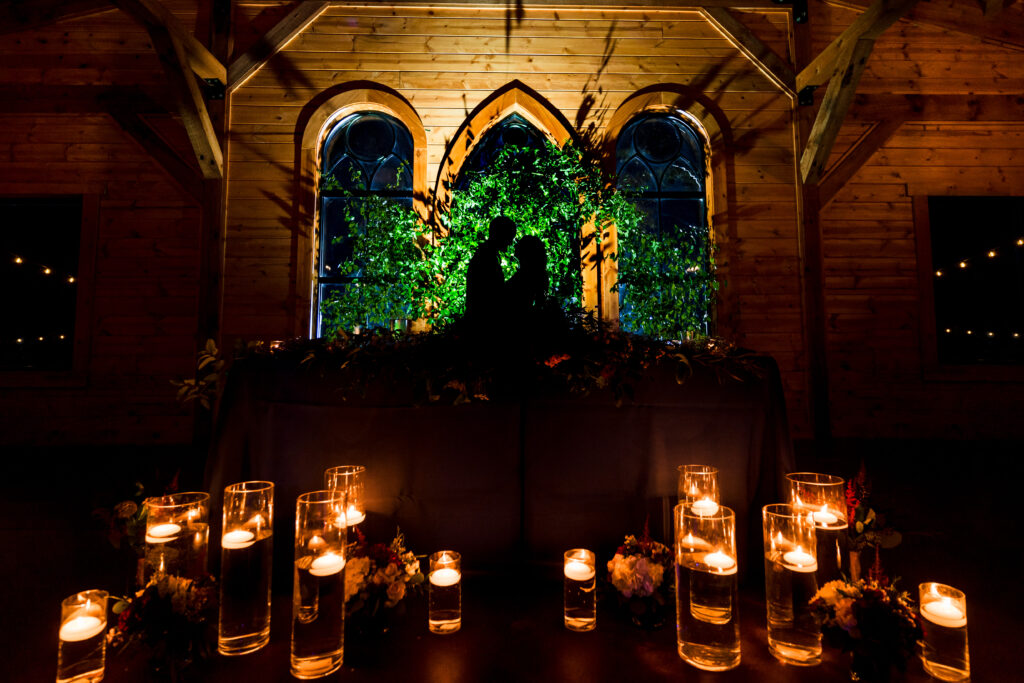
{"points": [[396, 591]]}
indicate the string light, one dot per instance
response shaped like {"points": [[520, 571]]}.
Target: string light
{"points": [[71, 279], [17, 259], [948, 330], [991, 253], [991, 334], [1020, 243], [969, 332], [20, 340], [963, 264], [43, 269], [46, 271], [938, 273], [62, 336]]}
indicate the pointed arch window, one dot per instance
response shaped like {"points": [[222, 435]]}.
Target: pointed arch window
{"points": [[511, 130], [367, 154], [661, 159]]}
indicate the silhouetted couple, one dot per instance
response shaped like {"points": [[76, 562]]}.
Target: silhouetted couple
{"points": [[489, 297]]}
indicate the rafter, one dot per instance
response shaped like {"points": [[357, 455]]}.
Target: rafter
{"points": [[958, 17], [868, 26], [743, 39], [152, 15], [24, 15], [964, 108], [75, 99], [856, 157], [838, 97], [304, 14], [190, 102]]}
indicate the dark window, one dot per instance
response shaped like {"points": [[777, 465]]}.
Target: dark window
{"points": [[513, 130], [38, 281], [978, 273], [661, 160], [369, 154]]}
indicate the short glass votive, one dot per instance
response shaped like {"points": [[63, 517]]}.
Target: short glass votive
{"points": [[444, 611], [318, 593], [944, 622], [580, 604], [349, 478], [246, 558], [698, 488], [82, 642], [177, 534], [707, 598], [790, 544], [823, 496]]}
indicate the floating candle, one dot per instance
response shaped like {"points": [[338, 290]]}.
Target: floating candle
{"points": [[799, 561], [445, 577], [81, 628], [691, 543], [943, 612], [579, 571], [824, 517], [237, 539], [162, 533], [327, 564], [721, 562], [705, 507], [353, 516]]}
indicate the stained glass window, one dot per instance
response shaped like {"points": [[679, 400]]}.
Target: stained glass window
{"points": [[512, 130], [367, 154], [660, 159]]}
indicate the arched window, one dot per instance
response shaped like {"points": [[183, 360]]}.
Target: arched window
{"points": [[660, 158], [511, 130], [365, 154]]}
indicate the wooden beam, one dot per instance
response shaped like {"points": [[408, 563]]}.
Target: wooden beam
{"points": [[183, 175], [152, 15], [980, 108], [24, 15], [770, 64], [856, 157], [869, 25], [190, 101], [991, 7], [960, 18], [296, 21], [75, 99], [838, 97]]}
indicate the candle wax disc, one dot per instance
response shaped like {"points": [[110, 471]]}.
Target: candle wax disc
{"points": [[579, 571], [80, 628], [445, 577]]}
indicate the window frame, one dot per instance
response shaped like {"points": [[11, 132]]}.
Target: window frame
{"points": [[77, 376]]}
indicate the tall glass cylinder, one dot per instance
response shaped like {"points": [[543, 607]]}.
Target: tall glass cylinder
{"points": [[580, 604], [177, 534], [349, 478], [246, 559], [707, 598], [790, 544], [824, 497], [944, 622], [318, 594], [698, 487], [444, 612], [82, 643]]}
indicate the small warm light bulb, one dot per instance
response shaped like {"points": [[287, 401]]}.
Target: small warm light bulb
{"points": [[992, 253], [948, 330], [20, 340], [969, 332], [1016, 335], [71, 279], [17, 259], [938, 273], [62, 336], [963, 264], [991, 334], [46, 271], [1020, 243], [40, 339]]}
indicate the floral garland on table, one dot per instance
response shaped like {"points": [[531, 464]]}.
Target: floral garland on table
{"points": [[641, 572], [873, 621], [377, 578]]}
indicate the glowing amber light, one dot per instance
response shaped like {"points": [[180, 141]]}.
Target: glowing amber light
{"points": [[992, 253], [938, 273], [62, 336], [969, 332], [1020, 243], [17, 259], [948, 330], [1016, 335], [71, 279], [991, 334], [40, 339], [20, 340], [963, 264], [46, 271]]}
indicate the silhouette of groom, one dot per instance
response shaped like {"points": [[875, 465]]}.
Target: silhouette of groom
{"points": [[485, 281]]}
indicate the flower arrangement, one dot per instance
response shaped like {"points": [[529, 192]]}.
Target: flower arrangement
{"points": [[867, 527], [172, 617], [377, 578], [638, 573], [873, 621]]}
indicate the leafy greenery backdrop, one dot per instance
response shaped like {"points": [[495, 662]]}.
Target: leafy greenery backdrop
{"points": [[400, 269]]}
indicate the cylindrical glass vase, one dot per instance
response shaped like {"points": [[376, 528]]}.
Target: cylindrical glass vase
{"points": [[944, 622], [349, 478], [698, 488], [790, 544], [707, 598], [444, 611], [580, 604], [177, 534], [823, 496], [246, 560], [318, 594], [82, 642]]}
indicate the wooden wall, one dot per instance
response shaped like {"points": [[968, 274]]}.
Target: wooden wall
{"points": [[880, 381], [445, 61], [56, 138], [145, 258]]}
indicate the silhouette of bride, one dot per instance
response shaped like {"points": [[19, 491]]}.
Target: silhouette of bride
{"points": [[528, 288]]}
